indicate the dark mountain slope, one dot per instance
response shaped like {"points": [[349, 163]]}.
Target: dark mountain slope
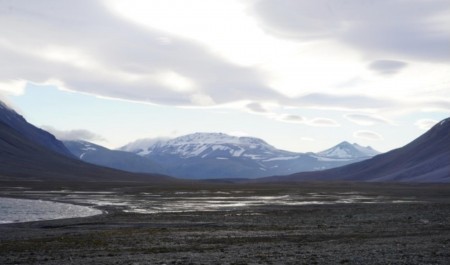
{"points": [[22, 159], [426, 159], [29, 131]]}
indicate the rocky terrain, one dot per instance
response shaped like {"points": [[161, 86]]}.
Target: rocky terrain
{"points": [[413, 228]]}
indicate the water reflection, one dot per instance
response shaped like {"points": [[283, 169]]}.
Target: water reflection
{"points": [[205, 200]]}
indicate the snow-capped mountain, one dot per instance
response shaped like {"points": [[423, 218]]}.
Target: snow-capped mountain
{"points": [[209, 145], [346, 150], [140, 146], [218, 155]]}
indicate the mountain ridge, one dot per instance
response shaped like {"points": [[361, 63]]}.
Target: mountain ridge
{"points": [[425, 159], [225, 156]]}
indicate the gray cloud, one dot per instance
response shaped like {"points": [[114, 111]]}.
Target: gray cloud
{"points": [[387, 67], [316, 122], [368, 135], [435, 104], [323, 122], [88, 49], [69, 135], [387, 27], [256, 107], [366, 119], [340, 101], [292, 118], [82, 46]]}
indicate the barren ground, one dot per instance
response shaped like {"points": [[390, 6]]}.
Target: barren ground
{"points": [[414, 232]]}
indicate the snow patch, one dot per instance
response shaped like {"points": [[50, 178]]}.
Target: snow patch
{"points": [[88, 148], [281, 158]]}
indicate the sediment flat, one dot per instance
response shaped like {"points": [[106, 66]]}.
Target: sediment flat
{"points": [[412, 232]]}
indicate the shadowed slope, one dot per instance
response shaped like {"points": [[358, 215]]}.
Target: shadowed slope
{"points": [[22, 159], [426, 159], [9, 117]]}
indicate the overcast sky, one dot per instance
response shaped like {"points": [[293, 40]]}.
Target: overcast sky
{"points": [[302, 75]]}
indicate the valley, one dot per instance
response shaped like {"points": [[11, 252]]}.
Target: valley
{"points": [[238, 132]]}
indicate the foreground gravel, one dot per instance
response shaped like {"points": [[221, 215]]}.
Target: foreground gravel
{"points": [[393, 233]]}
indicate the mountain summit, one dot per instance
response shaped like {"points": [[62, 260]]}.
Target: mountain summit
{"points": [[207, 145], [346, 150]]}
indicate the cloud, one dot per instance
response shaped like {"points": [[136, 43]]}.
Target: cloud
{"points": [[83, 46], [315, 122], [425, 124], [333, 101], [73, 135], [291, 118], [322, 122], [435, 104], [87, 46], [138, 144], [367, 135], [12, 87], [366, 119], [412, 29], [256, 107], [387, 67]]}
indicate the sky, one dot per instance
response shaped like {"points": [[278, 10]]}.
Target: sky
{"points": [[302, 75]]}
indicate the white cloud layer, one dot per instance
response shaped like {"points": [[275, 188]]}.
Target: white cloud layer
{"points": [[352, 55], [73, 135], [425, 124], [366, 119]]}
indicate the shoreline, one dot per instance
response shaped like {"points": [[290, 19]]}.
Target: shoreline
{"points": [[43, 210]]}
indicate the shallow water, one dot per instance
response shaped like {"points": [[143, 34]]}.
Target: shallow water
{"points": [[21, 210], [204, 200]]}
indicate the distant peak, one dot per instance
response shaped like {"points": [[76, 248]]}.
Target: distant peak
{"points": [[346, 150], [217, 138]]}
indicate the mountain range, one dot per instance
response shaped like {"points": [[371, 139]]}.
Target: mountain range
{"points": [[28, 153], [215, 155], [426, 159]]}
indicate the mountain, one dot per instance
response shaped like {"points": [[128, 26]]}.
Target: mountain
{"points": [[218, 155], [31, 154], [10, 118], [98, 155], [346, 150], [426, 159]]}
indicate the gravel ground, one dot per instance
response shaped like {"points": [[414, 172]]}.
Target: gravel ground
{"points": [[352, 233]]}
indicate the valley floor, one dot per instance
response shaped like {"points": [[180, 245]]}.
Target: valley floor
{"points": [[414, 232]]}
